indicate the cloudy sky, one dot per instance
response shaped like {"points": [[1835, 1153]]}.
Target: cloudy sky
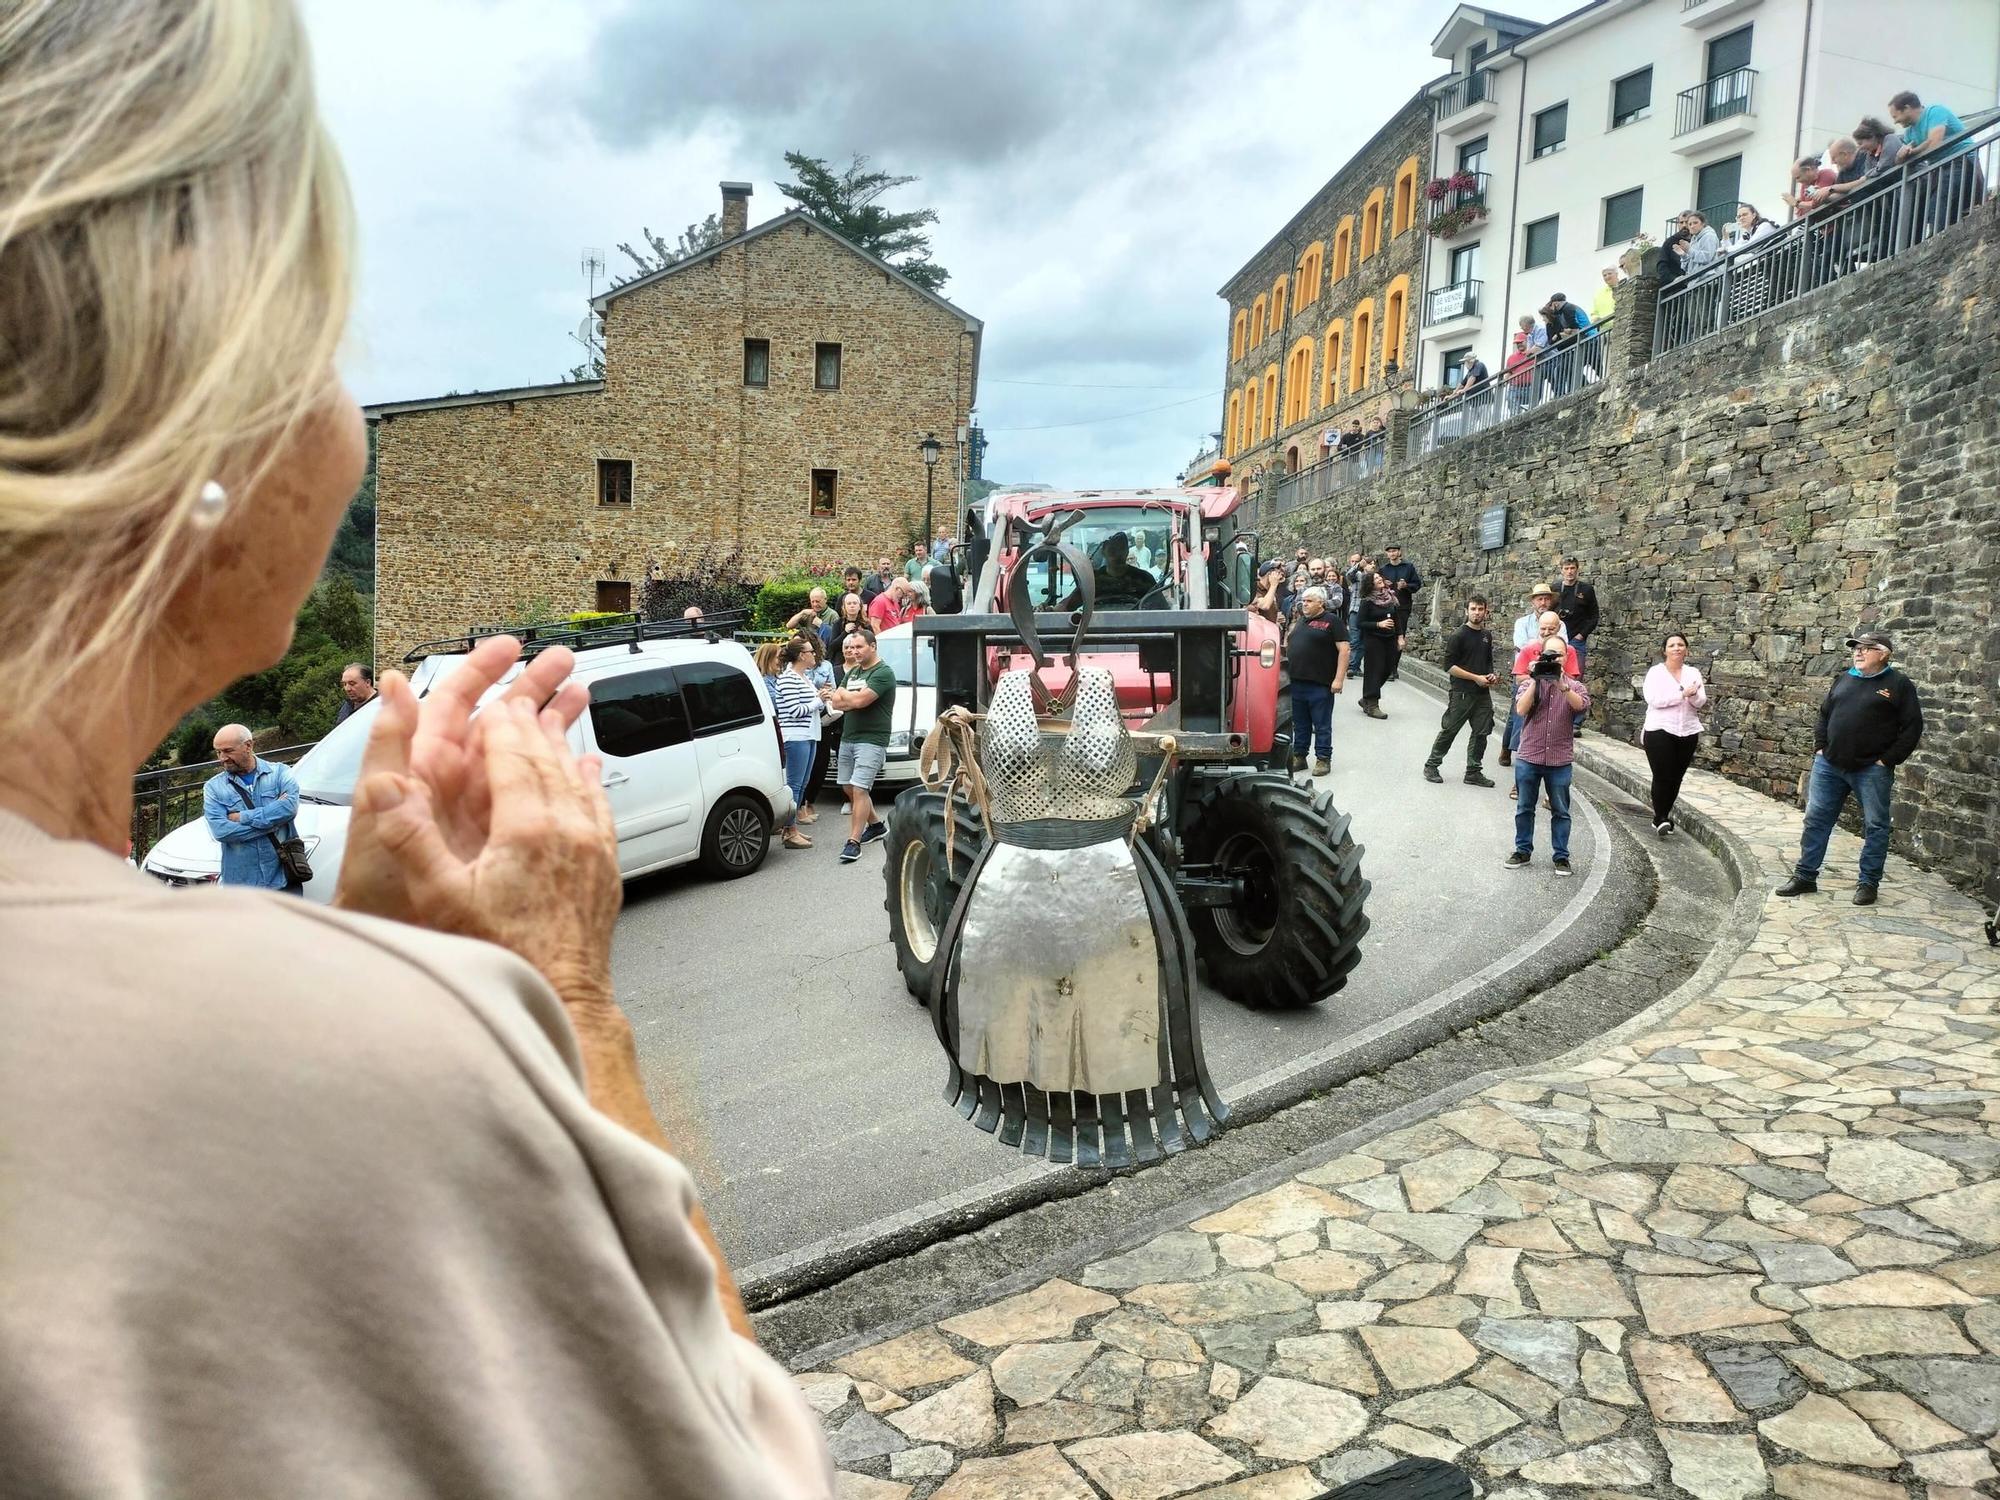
{"points": [[1100, 169]]}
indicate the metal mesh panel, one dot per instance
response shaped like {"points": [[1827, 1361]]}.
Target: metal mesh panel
{"points": [[1037, 772]]}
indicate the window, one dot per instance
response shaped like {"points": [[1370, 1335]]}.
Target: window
{"points": [[1472, 156], [826, 367], [1278, 290], [1540, 240], [718, 697], [756, 361], [1329, 375], [1256, 322], [1621, 216], [1632, 98], [1359, 355], [637, 711], [1716, 188], [1238, 332], [1464, 265], [1729, 52], [1312, 271], [825, 493], [614, 481], [1343, 247], [1253, 425], [1551, 129], [1232, 439], [614, 598], [1395, 313], [1403, 213], [1270, 400], [1452, 365], [1298, 382], [1371, 224]]}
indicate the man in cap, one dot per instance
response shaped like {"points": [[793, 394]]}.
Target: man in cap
{"points": [[1869, 723], [1527, 632], [1120, 585]]}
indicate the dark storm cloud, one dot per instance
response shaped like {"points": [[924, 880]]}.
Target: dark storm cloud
{"points": [[970, 85]]}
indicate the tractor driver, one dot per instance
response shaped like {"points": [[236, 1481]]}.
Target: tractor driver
{"points": [[1120, 585]]}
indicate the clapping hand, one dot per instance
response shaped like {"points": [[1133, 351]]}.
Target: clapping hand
{"points": [[489, 826]]}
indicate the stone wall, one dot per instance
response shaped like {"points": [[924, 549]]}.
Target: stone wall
{"points": [[485, 505], [1405, 138], [1833, 463]]}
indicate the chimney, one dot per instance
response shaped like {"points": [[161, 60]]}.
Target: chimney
{"points": [[735, 209]]}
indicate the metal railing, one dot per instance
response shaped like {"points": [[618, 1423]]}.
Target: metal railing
{"points": [[1472, 195], [1343, 470], [1558, 371], [163, 800], [1475, 88], [1713, 99], [1721, 218], [1458, 300], [1886, 216]]}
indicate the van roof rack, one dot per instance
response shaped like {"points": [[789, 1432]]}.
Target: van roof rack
{"points": [[714, 625]]}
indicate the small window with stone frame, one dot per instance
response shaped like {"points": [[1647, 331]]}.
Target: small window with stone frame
{"points": [[825, 493], [614, 481], [826, 367], [757, 362]]}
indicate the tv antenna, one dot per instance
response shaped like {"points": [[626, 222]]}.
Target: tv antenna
{"points": [[593, 266]]}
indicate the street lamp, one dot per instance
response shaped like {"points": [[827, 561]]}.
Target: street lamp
{"points": [[930, 447]]}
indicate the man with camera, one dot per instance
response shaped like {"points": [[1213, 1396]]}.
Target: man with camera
{"points": [[1548, 695]]}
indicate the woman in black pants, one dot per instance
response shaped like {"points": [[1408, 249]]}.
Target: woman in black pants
{"points": [[1378, 637], [1674, 691]]}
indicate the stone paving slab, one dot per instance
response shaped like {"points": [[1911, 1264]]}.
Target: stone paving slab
{"points": [[1747, 1244]]}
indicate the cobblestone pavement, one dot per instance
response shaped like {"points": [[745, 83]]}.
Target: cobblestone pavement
{"points": [[1744, 1246]]}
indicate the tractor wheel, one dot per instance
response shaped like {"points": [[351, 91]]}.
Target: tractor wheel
{"points": [[923, 883], [1296, 935]]}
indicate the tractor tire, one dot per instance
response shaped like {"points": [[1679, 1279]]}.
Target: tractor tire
{"points": [[1296, 936], [923, 885]]}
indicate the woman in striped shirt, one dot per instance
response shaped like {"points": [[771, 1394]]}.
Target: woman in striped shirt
{"points": [[797, 702]]}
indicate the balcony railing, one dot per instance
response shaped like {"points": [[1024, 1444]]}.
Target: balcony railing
{"points": [[1328, 477], [1713, 99], [1462, 191], [1458, 300], [163, 800], [1721, 218], [1574, 364], [1886, 216], [1475, 88]]}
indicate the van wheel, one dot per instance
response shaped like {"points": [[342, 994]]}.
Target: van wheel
{"points": [[738, 836]]}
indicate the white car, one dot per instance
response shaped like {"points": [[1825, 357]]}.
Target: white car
{"points": [[693, 765], [914, 661]]}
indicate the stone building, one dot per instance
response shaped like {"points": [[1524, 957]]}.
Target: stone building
{"points": [[1328, 305], [763, 399]]}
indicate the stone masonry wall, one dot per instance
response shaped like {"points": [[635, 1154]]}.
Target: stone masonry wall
{"points": [[1833, 463], [482, 508]]}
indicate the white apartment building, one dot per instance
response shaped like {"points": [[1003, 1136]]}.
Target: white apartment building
{"points": [[1587, 131]]}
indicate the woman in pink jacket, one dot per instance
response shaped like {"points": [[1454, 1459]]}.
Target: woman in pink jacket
{"points": [[1674, 691]]}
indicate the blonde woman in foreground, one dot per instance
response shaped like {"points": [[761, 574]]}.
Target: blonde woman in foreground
{"points": [[296, 1201]]}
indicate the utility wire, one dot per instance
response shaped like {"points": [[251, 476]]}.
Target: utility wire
{"points": [[1114, 417], [1069, 385]]}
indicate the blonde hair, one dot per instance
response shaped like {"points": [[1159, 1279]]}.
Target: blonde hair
{"points": [[174, 281]]}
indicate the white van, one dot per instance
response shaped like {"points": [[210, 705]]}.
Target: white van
{"points": [[693, 765]]}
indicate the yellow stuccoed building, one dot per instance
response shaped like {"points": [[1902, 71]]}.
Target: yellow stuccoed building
{"points": [[765, 398]]}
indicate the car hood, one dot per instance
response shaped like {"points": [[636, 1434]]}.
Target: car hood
{"points": [[192, 850]]}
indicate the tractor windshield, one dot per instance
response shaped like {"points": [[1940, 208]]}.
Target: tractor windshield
{"points": [[1131, 550]]}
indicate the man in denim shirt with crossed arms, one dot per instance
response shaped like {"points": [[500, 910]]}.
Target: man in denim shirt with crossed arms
{"points": [[1869, 724], [245, 804]]}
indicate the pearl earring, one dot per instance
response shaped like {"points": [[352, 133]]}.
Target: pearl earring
{"points": [[210, 504]]}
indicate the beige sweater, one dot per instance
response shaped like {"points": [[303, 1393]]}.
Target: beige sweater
{"points": [[294, 1203]]}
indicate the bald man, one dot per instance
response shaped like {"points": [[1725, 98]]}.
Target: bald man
{"points": [[249, 805]]}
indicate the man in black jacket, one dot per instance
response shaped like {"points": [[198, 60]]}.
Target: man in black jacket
{"points": [[1577, 604], [1406, 581], [1468, 662], [1868, 725]]}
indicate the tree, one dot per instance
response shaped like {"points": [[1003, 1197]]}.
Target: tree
{"points": [[845, 202], [694, 239]]}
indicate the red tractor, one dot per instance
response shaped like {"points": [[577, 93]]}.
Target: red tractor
{"points": [[1266, 871]]}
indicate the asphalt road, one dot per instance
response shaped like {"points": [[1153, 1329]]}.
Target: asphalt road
{"points": [[803, 1086]]}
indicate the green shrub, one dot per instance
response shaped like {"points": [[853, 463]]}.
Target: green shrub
{"points": [[785, 595], [312, 698]]}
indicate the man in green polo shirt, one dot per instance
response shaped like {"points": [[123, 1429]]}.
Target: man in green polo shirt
{"points": [[867, 699]]}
